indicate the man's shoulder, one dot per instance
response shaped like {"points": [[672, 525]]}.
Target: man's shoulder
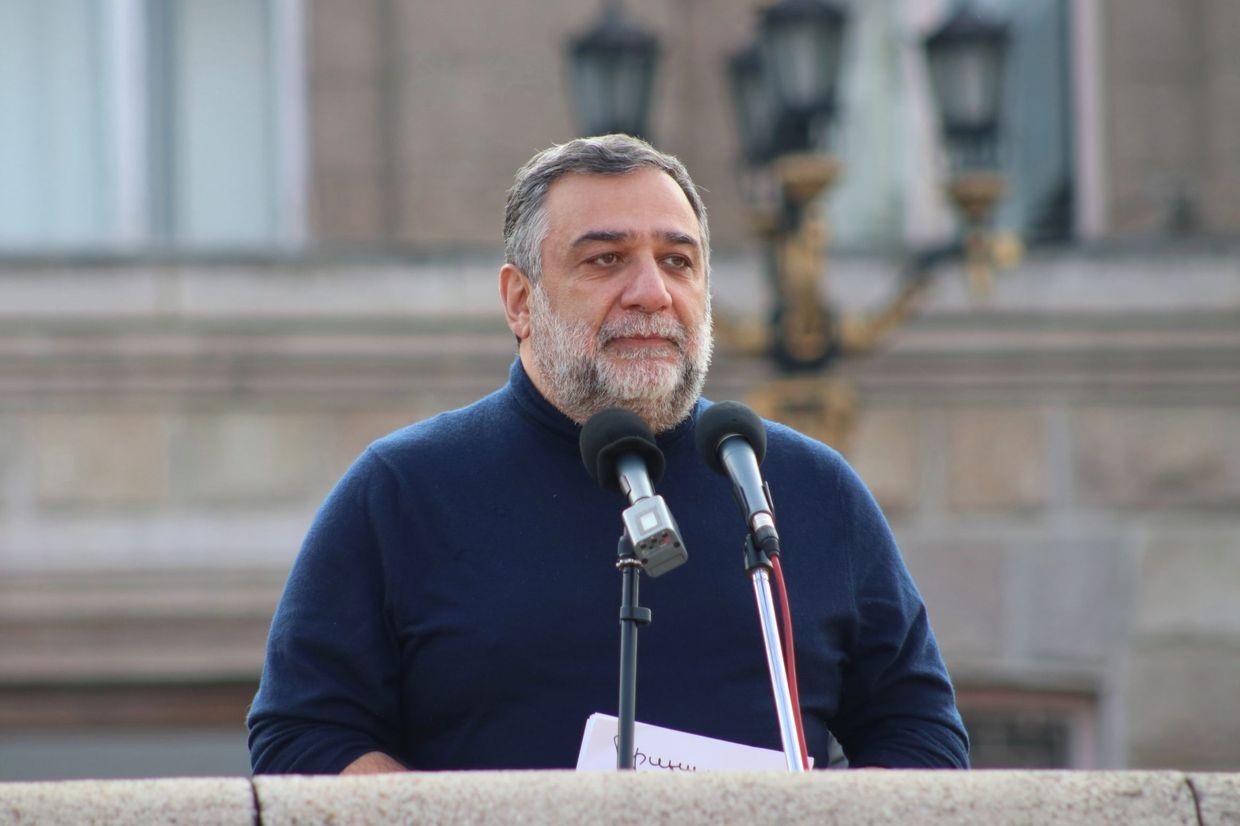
{"points": [[445, 434], [801, 453], [782, 437], [789, 451]]}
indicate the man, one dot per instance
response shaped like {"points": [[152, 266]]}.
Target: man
{"points": [[454, 604]]}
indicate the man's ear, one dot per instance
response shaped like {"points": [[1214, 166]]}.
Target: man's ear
{"points": [[515, 291]]}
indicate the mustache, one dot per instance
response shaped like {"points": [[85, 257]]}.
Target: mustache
{"points": [[640, 324]]}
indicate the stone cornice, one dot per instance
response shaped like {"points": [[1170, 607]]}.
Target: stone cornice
{"points": [[1191, 357], [1158, 323]]}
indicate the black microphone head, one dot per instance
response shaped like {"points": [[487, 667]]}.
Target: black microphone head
{"points": [[724, 419], [612, 432]]}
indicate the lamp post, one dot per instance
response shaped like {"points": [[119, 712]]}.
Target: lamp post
{"points": [[783, 89], [784, 96], [784, 93]]}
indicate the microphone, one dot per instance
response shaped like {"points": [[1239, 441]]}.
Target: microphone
{"points": [[731, 439], [620, 454]]}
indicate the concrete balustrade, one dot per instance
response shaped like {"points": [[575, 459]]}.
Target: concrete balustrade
{"points": [[980, 797], [184, 801]]}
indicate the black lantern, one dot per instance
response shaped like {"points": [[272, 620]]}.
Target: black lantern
{"points": [[966, 59], [752, 102], [612, 67], [800, 43]]}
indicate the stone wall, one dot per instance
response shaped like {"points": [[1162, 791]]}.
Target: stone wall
{"points": [[1066, 489], [422, 110], [1172, 102], [984, 798], [1061, 465], [1061, 468]]}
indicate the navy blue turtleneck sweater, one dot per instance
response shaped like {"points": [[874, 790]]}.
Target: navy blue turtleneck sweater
{"points": [[455, 606]]}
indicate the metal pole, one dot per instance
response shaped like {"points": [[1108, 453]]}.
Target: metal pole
{"points": [[775, 663], [625, 745]]}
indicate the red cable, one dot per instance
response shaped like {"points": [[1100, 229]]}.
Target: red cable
{"points": [[790, 660]]}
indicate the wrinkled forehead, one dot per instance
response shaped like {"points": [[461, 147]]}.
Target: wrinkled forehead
{"points": [[644, 202]]}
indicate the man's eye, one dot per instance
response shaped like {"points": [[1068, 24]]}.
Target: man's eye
{"points": [[679, 262], [605, 259]]}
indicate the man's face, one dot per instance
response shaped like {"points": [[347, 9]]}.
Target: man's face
{"points": [[621, 314]]}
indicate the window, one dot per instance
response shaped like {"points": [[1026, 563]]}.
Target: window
{"points": [[149, 123], [891, 185], [1028, 729], [1038, 121], [54, 143]]}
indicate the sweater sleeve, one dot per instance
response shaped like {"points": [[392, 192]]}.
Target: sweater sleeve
{"points": [[330, 686], [897, 709]]}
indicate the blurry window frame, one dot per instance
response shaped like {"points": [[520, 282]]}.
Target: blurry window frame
{"points": [[892, 187], [1030, 729], [109, 108]]}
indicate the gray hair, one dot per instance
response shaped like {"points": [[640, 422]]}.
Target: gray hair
{"points": [[525, 215]]}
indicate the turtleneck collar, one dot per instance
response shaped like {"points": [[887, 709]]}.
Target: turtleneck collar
{"points": [[535, 406]]}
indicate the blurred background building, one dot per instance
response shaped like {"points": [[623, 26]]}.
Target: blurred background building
{"points": [[239, 239]]}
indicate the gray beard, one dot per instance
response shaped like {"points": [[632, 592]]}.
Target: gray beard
{"points": [[582, 380]]}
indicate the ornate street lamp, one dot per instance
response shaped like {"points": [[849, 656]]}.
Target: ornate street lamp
{"points": [[612, 74], [784, 94]]}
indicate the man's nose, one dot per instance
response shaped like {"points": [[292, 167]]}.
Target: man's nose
{"points": [[646, 290]]}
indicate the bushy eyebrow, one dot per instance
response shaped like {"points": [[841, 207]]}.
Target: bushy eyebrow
{"points": [[601, 235], [680, 238], [608, 235]]}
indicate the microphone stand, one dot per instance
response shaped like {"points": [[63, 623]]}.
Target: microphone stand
{"points": [[620, 453], [632, 616], [758, 566], [650, 543]]}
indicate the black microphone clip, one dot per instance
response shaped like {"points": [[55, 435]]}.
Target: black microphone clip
{"points": [[620, 453]]}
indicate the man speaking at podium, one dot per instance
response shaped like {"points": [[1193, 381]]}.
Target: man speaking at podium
{"points": [[454, 603]]}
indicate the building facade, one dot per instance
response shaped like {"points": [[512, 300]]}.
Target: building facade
{"points": [[239, 240]]}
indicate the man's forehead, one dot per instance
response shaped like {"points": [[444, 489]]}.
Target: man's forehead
{"points": [[645, 201]]}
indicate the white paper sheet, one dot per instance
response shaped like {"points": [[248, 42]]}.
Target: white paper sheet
{"points": [[665, 749]]}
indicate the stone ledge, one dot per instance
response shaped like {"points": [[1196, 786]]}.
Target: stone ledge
{"points": [[187, 802], [924, 797], [1218, 797]]}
